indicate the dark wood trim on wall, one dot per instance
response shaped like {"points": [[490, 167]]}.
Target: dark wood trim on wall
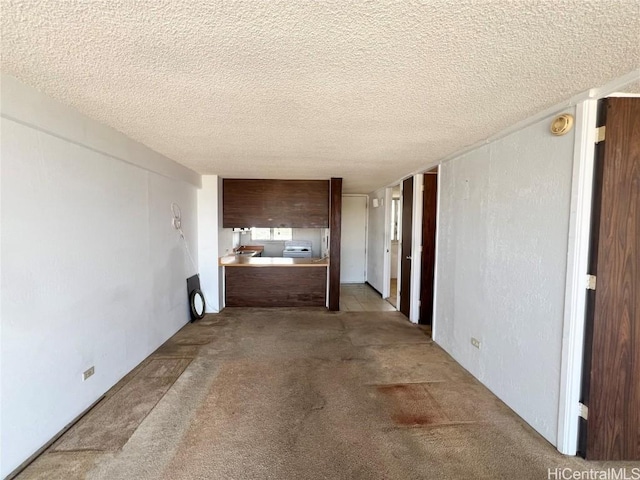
{"points": [[335, 224]]}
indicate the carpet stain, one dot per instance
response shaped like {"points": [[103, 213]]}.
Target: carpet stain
{"points": [[412, 405]]}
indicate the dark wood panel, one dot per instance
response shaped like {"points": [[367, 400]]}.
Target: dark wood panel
{"points": [[614, 410], [592, 269], [275, 203], [275, 286], [335, 226], [429, 213], [405, 262]]}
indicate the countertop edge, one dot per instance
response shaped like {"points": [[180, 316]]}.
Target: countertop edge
{"points": [[257, 262]]}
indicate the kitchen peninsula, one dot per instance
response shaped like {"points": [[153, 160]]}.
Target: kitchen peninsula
{"points": [[272, 205], [275, 281]]}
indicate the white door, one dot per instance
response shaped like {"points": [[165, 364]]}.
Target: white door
{"points": [[354, 239]]}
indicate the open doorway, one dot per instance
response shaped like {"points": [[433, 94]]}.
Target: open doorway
{"points": [[394, 241]]}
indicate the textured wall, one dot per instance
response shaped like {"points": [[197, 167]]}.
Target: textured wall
{"points": [[367, 91], [504, 219], [92, 272]]}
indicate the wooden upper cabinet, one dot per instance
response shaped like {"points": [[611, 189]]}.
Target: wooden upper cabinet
{"points": [[275, 203]]}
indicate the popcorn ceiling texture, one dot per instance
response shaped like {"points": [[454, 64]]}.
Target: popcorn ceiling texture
{"points": [[367, 91]]}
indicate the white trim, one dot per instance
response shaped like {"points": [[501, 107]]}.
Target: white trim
{"points": [[577, 261], [386, 262], [416, 249], [434, 323], [366, 237]]}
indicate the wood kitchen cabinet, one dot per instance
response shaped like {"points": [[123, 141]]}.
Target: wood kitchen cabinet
{"points": [[274, 282], [275, 203]]}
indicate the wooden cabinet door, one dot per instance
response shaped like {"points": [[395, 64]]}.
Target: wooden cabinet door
{"points": [[275, 203]]}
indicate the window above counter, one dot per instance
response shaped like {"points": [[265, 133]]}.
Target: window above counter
{"points": [[275, 234]]}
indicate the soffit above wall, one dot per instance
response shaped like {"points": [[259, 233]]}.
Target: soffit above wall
{"points": [[367, 91]]}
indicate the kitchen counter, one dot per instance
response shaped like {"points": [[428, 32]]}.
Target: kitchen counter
{"points": [[273, 282], [247, 261]]}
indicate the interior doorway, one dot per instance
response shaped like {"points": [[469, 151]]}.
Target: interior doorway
{"points": [[393, 244]]}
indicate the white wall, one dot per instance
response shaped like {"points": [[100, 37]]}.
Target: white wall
{"points": [[376, 240], [394, 258], [225, 245], [213, 242], [502, 239], [93, 273]]}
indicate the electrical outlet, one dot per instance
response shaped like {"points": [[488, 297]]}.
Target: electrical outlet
{"points": [[475, 342], [88, 373]]}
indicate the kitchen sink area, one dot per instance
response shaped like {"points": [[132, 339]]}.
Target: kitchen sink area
{"points": [[293, 280], [249, 251]]}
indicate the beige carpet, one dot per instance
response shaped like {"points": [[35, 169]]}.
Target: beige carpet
{"points": [[300, 394]]}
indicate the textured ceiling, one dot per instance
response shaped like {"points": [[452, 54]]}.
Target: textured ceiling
{"points": [[365, 90]]}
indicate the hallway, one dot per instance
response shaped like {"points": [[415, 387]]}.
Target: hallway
{"points": [[299, 394], [360, 297]]}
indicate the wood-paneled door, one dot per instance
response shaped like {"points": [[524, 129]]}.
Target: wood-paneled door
{"points": [[611, 388], [428, 261], [407, 243]]}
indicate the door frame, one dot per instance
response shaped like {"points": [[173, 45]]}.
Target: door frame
{"points": [[386, 264], [577, 267], [416, 247], [579, 238], [386, 272], [416, 251], [434, 321]]}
